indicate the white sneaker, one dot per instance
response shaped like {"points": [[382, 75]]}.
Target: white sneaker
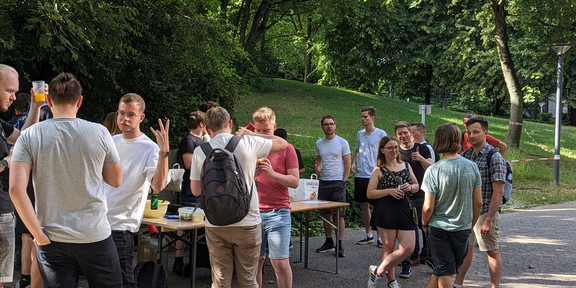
{"points": [[394, 284], [372, 277]]}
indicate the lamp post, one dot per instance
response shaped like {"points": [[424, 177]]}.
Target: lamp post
{"points": [[541, 106], [560, 50]]}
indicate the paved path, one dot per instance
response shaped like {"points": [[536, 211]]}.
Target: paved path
{"points": [[538, 250]]}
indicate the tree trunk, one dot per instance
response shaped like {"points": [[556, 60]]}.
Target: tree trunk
{"points": [[509, 72], [223, 9], [258, 28], [308, 57], [245, 19]]}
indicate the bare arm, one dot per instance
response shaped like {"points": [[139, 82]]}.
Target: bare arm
{"points": [[290, 179], [498, 188], [195, 187], [354, 159], [317, 165], [187, 158], [278, 144], [346, 160], [476, 204], [112, 174], [502, 146], [428, 208], [372, 191], [19, 176], [161, 174]]}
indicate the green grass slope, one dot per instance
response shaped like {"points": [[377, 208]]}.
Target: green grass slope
{"points": [[300, 106]]}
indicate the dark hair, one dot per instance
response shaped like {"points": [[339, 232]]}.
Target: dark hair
{"points": [[447, 138], [419, 125], [401, 124], [281, 133], [65, 89], [468, 116], [370, 109], [327, 117], [195, 119], [381, 157], [22, 101], [483, 122], [204, 107]]}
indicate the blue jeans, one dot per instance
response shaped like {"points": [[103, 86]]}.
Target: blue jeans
{"points": [[276, 229], [7, 243], [124, 241], [61, 263]]}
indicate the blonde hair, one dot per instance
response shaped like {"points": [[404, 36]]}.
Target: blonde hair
{"points": [[264, 114]]}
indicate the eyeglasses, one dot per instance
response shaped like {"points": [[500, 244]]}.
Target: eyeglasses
{"points": [[391, 148], [131, 115], [328, 124]]}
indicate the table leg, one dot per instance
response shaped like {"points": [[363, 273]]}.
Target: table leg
{"points": [[192, 261], [337, 235], [306, 241], [160, 244]]}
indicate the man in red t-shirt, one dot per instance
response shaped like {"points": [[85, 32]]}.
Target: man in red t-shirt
{"points": [[273, 177], [501, 146]]}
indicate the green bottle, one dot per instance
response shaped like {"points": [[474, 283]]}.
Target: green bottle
{"points": [[154, 202]]}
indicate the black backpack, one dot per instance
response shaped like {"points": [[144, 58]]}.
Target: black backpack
{"points": [[225, 195], [150, 275]]}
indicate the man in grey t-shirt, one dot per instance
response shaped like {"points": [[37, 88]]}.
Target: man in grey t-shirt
{"points": [[70, 160]]}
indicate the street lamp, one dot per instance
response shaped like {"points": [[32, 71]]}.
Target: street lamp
{"points": [[541, 106], [560, 50]]}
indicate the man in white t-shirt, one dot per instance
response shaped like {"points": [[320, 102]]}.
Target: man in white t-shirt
{"points": [[332, 165], [236, 245], [144, 165], [363, 162]]}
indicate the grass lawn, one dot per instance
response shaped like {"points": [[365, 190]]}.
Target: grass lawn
{"points": [[300, 106]]}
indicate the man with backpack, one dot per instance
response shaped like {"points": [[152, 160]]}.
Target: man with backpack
{"points": [[493, 173], [233, 240]]}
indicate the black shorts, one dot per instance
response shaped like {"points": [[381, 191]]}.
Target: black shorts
{"points": [[448, 249], [361, 189], [332, 191]]}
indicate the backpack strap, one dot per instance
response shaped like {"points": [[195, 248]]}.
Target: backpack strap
{"points": [[232, 143], [489, 159], [206, 148]]}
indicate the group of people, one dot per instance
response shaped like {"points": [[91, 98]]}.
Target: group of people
{"points": [[85, 219], [455, 200]]}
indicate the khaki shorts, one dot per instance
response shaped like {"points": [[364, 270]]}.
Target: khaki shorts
{"points": [[486, 242]]}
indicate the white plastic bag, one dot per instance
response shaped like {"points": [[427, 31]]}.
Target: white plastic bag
{"points": [[307, 189], [176, 175]]}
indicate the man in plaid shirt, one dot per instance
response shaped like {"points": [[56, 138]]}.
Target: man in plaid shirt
{"points": [[493, 177]]}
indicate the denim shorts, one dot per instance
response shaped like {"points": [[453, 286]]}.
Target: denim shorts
{"points": [[276, 229], [7, 242]]}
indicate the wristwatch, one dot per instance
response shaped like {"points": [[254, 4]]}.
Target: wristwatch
{"points": [[4, 163], [165, 153]]}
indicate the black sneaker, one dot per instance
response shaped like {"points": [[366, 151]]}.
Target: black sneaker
{"points": [[366, 240], [327, 247], [341, 252], [406, 270]]}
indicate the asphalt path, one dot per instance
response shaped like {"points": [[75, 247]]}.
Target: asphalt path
{"points": [[537, 246]]}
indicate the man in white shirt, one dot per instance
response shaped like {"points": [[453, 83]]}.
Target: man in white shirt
{"points": [[332, 165], [144, 165], [236, 245], [363, 162]]}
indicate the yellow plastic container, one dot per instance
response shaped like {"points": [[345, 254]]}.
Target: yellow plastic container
{"points": [[158, 213]]}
